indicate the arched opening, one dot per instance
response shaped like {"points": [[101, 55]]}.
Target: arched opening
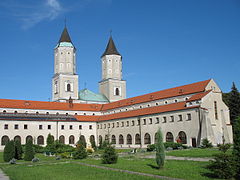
{"points": [[129, 139], [169, 137], [137, 139], [40, 140], [106, 138], [147, 139], [62, 139], [121, 140], [82, 138], [4, 140], [117, 92], [17, 138], [28, 138], [68, 87], [100, 139], [113, 141], [155, 138], [182, 136], [71, 139], [92, 138]]}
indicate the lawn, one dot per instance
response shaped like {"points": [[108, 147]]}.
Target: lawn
{"points": [[209, 152]]}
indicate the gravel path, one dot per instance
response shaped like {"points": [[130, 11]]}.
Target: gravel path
{"points": [[3, 176], [181, 158]]}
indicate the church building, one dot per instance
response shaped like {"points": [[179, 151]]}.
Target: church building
{"points": [[187, 113]]}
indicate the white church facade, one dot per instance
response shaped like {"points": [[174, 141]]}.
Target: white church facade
{"points": [[186, 113]]}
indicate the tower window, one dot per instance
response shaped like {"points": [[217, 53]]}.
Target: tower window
{"points": [[215, 109], [68, 87], [117, 92]]}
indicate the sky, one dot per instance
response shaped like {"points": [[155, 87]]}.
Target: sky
{"points": [[164, 43]]}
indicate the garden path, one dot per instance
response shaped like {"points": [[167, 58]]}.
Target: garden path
{"points": [[3, 176]]}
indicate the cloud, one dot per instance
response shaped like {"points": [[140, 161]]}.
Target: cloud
{"points": [[30, 13]]}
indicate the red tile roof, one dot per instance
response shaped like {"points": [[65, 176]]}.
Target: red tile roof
{"points": [[198, 96], [167, 93], [24, 104], [138, 112]]}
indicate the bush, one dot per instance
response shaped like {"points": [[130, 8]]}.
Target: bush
{"points": [[206, 143], [151, 147], [38, 149], [18, 150], [29, 152], [65, 155], [90, 150], [50, 140], [173, 145], [93, 143], [109, 155], [160, 150], [80, 152], [9, 151], [223, 165]]}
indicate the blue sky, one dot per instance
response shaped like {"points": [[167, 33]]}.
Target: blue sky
{"points": [[164, 43]]}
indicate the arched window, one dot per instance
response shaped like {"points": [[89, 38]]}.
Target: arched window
{"points": [[92, 138], [100, 139], [29, 138], [129, 139], [82, 138], [40, 140], [71, 139], [106, 138], [155, 138], [113, 139], [169, 137], [182, 136], [147, 139], [117, 92], [62, 139], [68, 87], [121, 140], [17, 138], [4, 140], [137, 139]]}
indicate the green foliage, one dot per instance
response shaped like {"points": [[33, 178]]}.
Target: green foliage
{"points": [[223, 165], [38, 148], [160, 149], [50, 140], [18, 150], [174, 145], [236, 148], [65, 155], [29, 152], [206, 143], [104, 144], [9, 151], [109, 155], [93, 143], [151, 147], [82, 141], [80, 152], [57, 147]]}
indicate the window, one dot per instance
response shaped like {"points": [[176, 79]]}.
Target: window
{"points": [[4, 140], [215, 109], [66, 114], [180, 117], [75, 113], [137, 139], [169, 137], [98, 126], [117, 124], [144, 121], [182, 136], [156, 104], [5, 126], [108, 125], [29, 138], [171, 118], [49, 126], [147, 139], [157, 120], [90, 126], [16, 126], [25, 126], [40, 140], [62, 126], [104, 126], [47, 113], [113, 141], [121, 140], [127, 123], [132, 123], [71, 139], [164, 119], [122, 124], [70, 127], [68, 87], [15, 112], [138, 122], [80, 126], [62, 139], [17, 138], [175, 100], [117, 92], [150, 120], [4, 111], [165, 102], [40, 127], [129, 139], [189, 116], [113, 125]]}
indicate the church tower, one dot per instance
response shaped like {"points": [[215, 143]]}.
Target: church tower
{"points": [[65, 79], [112, 85]]}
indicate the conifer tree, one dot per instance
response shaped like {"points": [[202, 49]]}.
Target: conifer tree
{"points": [[18, 150], [9, 151], [93, 143], [80, 152], [236, 148], [82, 141], [29, 152], [50, 140], [109, 155], [160, 149]]}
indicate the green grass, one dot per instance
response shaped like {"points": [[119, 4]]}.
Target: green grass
{"points": [[203, 153], [65, 171]]}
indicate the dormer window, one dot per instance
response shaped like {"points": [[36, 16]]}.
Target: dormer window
{"points": [[68, 87]]}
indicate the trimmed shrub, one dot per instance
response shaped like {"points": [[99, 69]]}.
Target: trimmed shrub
{"points": [[160, 150], [29, 152], [38, 148], [173, 145], [9, 151], [18, 150], [80, 152], [151, 147], [50, 140], [82, 142], [109, 155], [65, 155], [206, 143], [93, 143]]}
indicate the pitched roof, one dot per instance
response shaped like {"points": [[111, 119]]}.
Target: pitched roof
{"points": [[137, 112], [198, 96], [111, 48], [24, 104], [87, 95], [65, 36], [167, 93]]}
